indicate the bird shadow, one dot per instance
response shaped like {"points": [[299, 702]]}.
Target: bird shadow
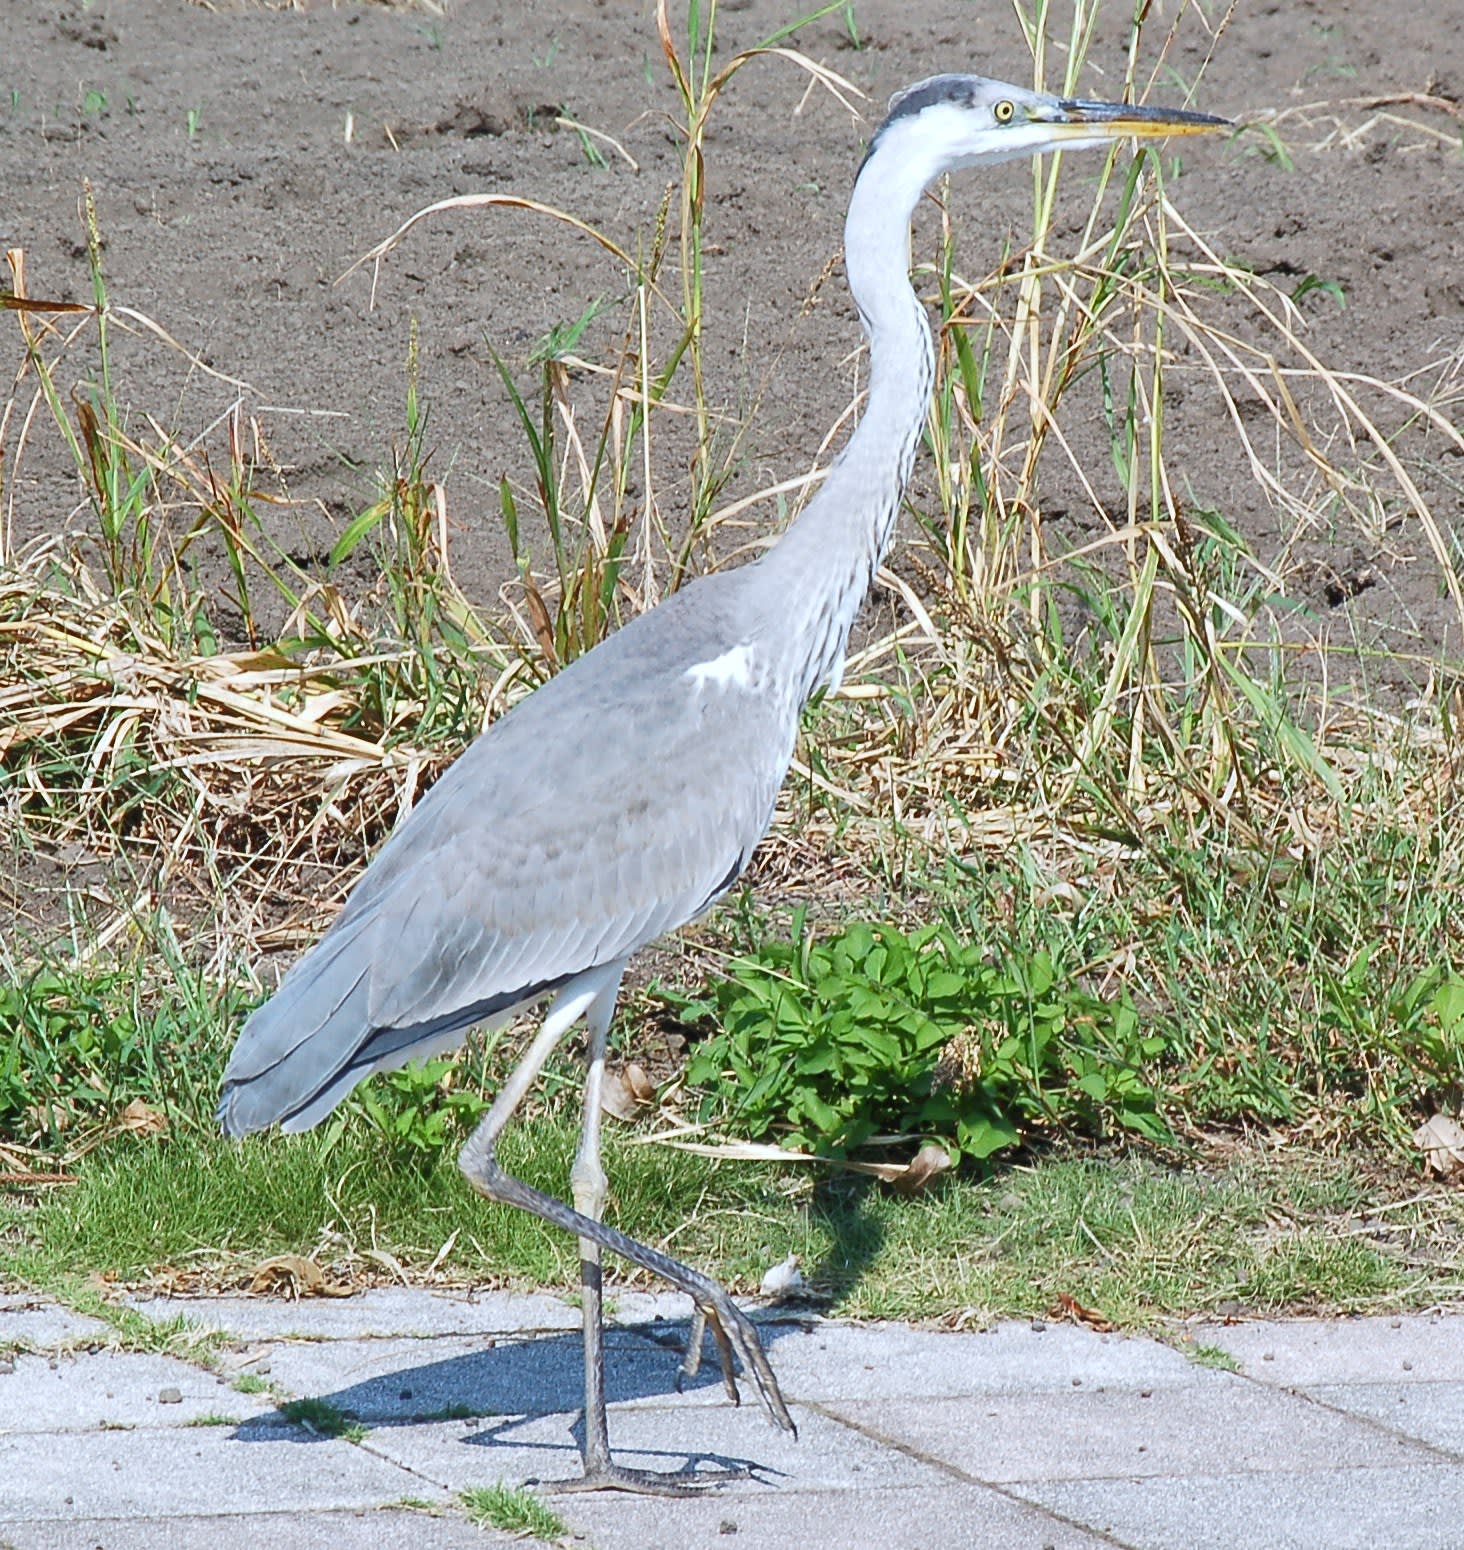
{"points": [[508, 1387], [847, 1205], [503, 1434]]}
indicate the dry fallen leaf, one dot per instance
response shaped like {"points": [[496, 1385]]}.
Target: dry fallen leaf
{"points": [[909, 1178], [141, 1120], [1441, 1140], [1068, 1307], [627, 1092], [388, 1262], [292, 1275], [926, 1165], [441, 1256], [1061, 894]]}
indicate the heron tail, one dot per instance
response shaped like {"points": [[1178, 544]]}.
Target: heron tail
{"points": [[301, 1052]]}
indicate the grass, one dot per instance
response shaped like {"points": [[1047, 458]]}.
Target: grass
{"points": [[322, 1418], [1214, 1356], [1110, 762], [1137, 1239], [514, 1511], [84, 1290], [420, 1504]]}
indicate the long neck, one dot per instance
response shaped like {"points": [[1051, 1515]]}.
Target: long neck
{"points": [[828, 557]]}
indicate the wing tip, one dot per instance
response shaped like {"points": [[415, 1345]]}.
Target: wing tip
{"points": [[230, 1114]]}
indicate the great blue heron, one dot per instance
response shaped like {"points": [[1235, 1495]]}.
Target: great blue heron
{"points": [[624, 796]]}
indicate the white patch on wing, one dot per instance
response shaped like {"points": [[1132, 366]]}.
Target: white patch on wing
{"points": [[731, 670]]}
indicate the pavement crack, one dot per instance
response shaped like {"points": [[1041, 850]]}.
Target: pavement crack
{"points": [[1444, 1454], [965, 1477]]}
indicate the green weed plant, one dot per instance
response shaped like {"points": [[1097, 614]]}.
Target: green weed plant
{"points": [[79, 1043], [875, 1033], [418, 1113]]}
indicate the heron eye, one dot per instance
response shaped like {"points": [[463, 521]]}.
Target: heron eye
{"points": [[1004, 111]]}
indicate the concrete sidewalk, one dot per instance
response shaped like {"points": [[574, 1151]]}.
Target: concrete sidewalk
{"points": [[1342, 1434]]}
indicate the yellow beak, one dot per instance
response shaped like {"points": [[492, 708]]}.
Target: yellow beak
{"points": [[1077, 120]]}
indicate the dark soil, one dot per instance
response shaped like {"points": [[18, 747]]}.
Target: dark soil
{"points": [[231, 202]]}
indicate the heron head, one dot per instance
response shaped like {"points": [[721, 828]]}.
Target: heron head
{"points": [[955, 121]]}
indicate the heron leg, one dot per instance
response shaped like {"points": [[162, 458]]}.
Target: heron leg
{"points": [[591, 1187], [737, 1339]]}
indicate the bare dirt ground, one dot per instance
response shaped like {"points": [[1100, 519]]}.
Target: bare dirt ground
{"points": [[242, 158]]}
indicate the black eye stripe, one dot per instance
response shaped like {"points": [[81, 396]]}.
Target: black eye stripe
{"points": [[961, 91]]}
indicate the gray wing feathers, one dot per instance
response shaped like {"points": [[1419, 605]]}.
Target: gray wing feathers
{"points": [[276, 1057], [611, 806]]}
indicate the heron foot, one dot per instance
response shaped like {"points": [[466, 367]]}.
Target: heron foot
{"points": [[648, 1482], [692, 1359], [738, 1344]]}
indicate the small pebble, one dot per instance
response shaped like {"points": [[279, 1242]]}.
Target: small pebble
{"points": [[1407, 1366], [1077, 1383], [726, 1526], [1268, 1356], [170, 1396], [1038, 1325], [1146, 1393]]}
